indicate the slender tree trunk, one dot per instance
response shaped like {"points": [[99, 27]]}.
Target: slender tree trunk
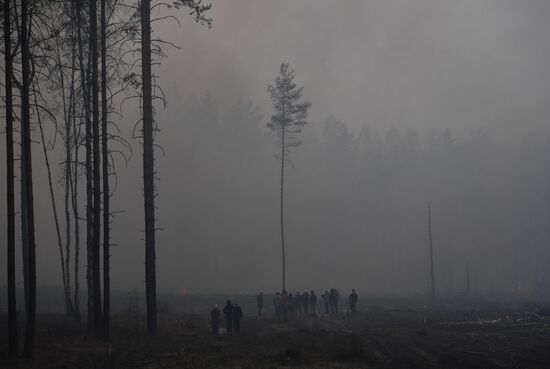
{"points": [[74, 178], [148, 168], [67, 103], [282, 203], [431, 251], [89, 175], [24, 219], [68, 303], [67, 111], [98, 321], [23, 202], [12, 312], [76, 216], [105, 157], [26, 127]]}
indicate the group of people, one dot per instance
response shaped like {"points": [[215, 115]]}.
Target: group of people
{"points": [[288, 305], [233, 315]]}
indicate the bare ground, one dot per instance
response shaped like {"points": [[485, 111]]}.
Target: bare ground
{"points": [[381, 337]]}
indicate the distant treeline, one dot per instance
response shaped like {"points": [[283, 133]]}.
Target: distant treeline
{"points": [[356, 206]]}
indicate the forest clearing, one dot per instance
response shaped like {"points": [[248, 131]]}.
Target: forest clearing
{"points": [[382, 335]]}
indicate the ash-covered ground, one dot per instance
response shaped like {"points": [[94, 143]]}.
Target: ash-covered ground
{"points": [[382, 334]]}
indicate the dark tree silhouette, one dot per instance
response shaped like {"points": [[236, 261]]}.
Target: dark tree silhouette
{"points": [[148, 168], [105, 165], [8, 73], [98, 321], [84, 85], [289, 117], [197, 10], [27, 164]]}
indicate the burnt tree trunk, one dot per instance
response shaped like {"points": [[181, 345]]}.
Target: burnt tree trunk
{"points": [[148, 168], [282, 203], [68, 304], [105, 158], [72, 171], [10, 186], [98, 324], [89, 186], [26, 128]]}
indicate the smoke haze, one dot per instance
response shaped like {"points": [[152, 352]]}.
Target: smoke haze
{"points": [[412, 102]]}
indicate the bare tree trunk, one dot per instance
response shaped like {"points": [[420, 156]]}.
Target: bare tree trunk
{"points": [[26, 127], [67, 111], [68, 303], [74, 182], [431, 251], [89, 175], [24, 219], [12, 307], [282, 202], [148, 168], [105, 157], [98, 324], [74, 204]]}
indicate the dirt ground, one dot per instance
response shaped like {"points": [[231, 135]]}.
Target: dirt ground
{"points": [[380, 336]]}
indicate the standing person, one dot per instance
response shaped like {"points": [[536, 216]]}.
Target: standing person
{"points": [[336, 300], [332, 301], [228, 312], [237, 315], [313, 303], [324, 298], [260, 303], [353, 299], [215, 315], [277, 305], [305, 302], [298, 303], [291, 305], [284, 306]]}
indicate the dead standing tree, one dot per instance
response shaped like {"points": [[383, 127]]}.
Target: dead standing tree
{"points": [[96, 165], [289, 117], [105, 173], [27, 164], [150, 48], [8, 76], [48, 67]]}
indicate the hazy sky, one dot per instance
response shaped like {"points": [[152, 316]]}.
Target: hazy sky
{"points": [[422, 64], [428, 63]]}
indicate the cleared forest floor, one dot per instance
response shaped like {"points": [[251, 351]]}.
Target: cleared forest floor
{"points": [[381, 337]]}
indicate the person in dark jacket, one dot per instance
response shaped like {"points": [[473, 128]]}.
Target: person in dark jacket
{"points": [[284, 306], [298, 303], [313, 303], [325, 300], [332, 301], [291, 303], [336, 300], [215, 315], [353, 299], [237, 316], [305, 302], [260, 303], [228, 312]]}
